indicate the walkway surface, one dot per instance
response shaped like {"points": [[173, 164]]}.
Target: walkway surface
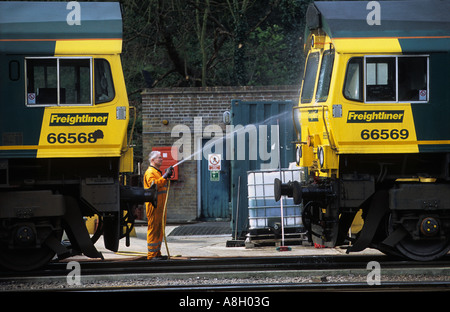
{"points": [[194, 241]]}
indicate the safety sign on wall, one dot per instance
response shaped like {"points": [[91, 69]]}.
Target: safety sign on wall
{"points": [[214, 162], [31, 98], [214, 176]]}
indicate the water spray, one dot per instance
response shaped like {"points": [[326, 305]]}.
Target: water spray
{"points": [[238, 130]]}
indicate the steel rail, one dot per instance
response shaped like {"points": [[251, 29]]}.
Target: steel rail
{"points": [[227, 264], [433, 286], [97, 275]]}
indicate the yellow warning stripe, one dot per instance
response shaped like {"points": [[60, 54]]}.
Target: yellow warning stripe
{"points": [[383, 142], [18, 147]]}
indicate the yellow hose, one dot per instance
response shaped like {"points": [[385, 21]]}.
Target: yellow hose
{"points": [[138, 253], [164, 219], [131, 253]]}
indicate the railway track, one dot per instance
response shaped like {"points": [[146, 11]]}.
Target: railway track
{"points": [[307, 273], [418, 286]]}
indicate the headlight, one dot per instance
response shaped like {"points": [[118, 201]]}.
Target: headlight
{"points": [[298, 154], [320, 155]]}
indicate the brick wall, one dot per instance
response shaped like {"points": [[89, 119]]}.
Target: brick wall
{"points": [[179, 106]]}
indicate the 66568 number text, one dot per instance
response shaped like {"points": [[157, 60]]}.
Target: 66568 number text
{"points": [[71, 138]]}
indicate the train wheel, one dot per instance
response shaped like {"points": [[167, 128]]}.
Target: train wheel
{"points": [[423, 250], [23, 257]]}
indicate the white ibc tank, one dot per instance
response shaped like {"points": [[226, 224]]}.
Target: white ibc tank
{"points": [[263, 211]]}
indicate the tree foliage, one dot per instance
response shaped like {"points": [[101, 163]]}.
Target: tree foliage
{"points": [[191, 43], [170, 43]]}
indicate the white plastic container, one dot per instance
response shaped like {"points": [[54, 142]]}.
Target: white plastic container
{"points": [[263, 211]]}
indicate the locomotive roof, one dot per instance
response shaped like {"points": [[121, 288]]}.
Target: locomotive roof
{"points": [[411, 22], [23, 25]]}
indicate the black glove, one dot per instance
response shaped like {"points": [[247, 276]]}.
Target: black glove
{"points": [[168, 173]]}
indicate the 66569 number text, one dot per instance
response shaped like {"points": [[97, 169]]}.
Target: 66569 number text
{"points": [[384, 134]]}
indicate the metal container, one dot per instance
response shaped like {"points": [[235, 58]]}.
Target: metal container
{"points": [[257, 113]]}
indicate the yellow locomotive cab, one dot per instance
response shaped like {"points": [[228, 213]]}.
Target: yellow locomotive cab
{"points": [[63, 131], [89, 129], [372, 126]]}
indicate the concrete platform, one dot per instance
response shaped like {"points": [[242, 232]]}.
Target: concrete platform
{"points": [[193, 246]]}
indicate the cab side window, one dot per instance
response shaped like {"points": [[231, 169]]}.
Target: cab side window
{"points": [[353, 84], [52, 81], [309, 79], [42, 82], [380, 79], [326, 69], [75, 81], [104, 87], [387, 79], [413, 78]]}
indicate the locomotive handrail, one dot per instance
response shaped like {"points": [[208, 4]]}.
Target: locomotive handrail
{"points": [[323, 107], [130, 138]]}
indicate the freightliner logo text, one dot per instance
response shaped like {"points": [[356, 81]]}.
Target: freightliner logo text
{"points": [[375, 116], [87, 119]]}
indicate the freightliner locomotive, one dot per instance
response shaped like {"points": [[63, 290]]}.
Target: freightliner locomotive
{"points": [[64, 145], [373, 126]]}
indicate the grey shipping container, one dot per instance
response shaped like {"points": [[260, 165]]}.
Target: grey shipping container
{"points": [[261, 117]]}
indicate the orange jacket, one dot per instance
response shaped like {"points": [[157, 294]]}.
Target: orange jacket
{"points": [[155, 175], [155, 214]]}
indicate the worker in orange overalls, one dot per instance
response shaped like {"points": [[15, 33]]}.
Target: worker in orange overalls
{"points": [[155, 214]]}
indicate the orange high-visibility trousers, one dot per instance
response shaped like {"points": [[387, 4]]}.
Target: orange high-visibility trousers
{"points": [[155, 214]]}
